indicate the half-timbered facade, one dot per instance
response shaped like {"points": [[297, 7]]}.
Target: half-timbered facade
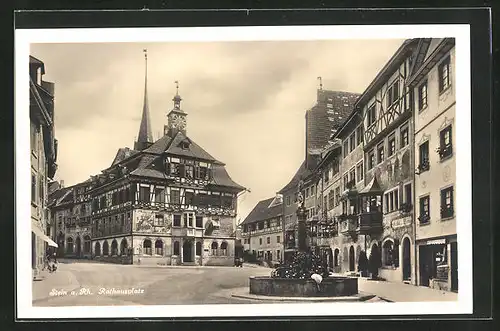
{"points": [[433, 84], [166, 202], [262, 231], [386, 108], [71, 214]]}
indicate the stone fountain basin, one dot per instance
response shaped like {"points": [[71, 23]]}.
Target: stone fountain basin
{"points": [[286, 287]]}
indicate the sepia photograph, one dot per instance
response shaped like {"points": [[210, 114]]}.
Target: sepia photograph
{"points": [[300, 170]]}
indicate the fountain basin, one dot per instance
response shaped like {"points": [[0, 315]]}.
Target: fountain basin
{"points": [[289, 287]]}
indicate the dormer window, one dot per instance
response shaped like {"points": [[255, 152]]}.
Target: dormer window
{"points": [[185, 145]]}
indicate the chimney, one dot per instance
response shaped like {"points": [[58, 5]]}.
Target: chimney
{"points": [[61, 182]]}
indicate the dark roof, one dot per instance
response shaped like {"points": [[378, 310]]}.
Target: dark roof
{"points": [[122, 154], [372, 188], [56, 195], [193, 150], [159, 146], [393, 63], [222, 178], [301, 173], [262, 212]]}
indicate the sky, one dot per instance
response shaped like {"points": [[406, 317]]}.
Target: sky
{"points": [[245, 101]]}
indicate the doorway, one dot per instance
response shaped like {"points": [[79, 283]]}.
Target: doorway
{"points": [[406, 259], [454, 266], [78, 246], [187, 251], [351, 259]]}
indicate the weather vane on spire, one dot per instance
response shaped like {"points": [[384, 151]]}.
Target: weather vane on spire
{"points": [[177, 87], [145, 53]]}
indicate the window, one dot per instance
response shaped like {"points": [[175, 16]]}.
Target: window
{"points": [[268, 240], [203, 172], [391, 201], [189, 171], [388, 253], [406, 206], [337, 196], [268, 224], [288, 200], [325, 176], [159, 247], [393, 94], [188, 220], [278, 239], [447, 202], [146, 245], [392, 145], [331, 199], [372, 114], [359, 135], [260, 241], [177, 220], [371, 159], [422, 96], [359, 171], [352, 142], [444, 74], [215, 246], [175, 197], [189, 198], [424, 157], [159, 195], [345, 149], [198, 248], [177, 249], [33, 188], [159, 220], [346, 180], [34, 137], [144, 194], [199, 221], [380, 153], [424, 210], [445, 143], [404, 136], [352, 175]]}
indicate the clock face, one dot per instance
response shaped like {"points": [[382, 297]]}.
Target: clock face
{"points": [[178, 121]]}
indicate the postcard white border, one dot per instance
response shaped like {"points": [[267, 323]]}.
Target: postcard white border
{"points": [[23, 39]]}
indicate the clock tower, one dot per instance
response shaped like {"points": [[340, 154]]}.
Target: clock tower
{"points": [[176, 117]]}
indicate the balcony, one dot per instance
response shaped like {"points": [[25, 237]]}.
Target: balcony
{"points": [[370, 222], [348, 224]]}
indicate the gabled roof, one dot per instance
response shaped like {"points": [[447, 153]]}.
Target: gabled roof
{"points": [[222, 178], [262, 212], [193, 150], [122, 154], [301, 173]]}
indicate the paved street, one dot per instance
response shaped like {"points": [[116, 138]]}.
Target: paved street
{"points": [[86, 283], [153, 285]]}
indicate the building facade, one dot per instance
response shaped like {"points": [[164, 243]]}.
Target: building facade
{"points": [[434, 88], [43, 153], [70, 209], [166, 202], [322, 120], [262, 231]]}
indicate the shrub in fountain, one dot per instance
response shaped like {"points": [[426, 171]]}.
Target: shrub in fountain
{"points": [[302, 266]]}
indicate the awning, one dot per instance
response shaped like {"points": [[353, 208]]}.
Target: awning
{"points": [[39, 233]]}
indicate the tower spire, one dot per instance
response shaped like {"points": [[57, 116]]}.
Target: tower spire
{"points": [[145, 136]]}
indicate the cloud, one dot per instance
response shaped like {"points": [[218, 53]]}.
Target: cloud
{"points": [[245, 100]]}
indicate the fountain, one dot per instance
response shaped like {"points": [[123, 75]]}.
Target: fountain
{"points": [[306, 275]]}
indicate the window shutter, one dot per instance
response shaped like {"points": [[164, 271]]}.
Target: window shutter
{"points": [[167, 168], [182, 170]]}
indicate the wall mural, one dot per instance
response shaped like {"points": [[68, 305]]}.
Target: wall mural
{"points": [[152, 222]]}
